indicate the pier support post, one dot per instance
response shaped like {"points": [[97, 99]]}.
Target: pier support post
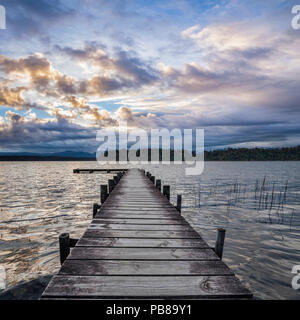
{"points": [[95, 209], [111, 185], [116, 180], [178, 206], [64, 246], [158, 184], [166, 192], [152, 178], [104, 193], [220, 242]]}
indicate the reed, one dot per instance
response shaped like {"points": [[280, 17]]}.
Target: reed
{"points": [[267, 196]]}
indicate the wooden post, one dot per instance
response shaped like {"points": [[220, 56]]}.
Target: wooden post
{"points": [[111, 185], [158, 184], [104, 193], [72, 242], [64, 246], [166, 192], [95, 209], [220, 242], [119, 175], [116, 180], [152, 178], [178, 207]]}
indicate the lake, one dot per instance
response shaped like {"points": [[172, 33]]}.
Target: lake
{"points": [[256, 202]]}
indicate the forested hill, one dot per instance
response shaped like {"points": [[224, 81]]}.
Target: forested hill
{"points": [[230, 154], [256, 154]]}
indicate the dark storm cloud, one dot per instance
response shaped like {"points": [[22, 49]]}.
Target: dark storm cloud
{"points": [[31, 17], [34, 134], [129, 70]]}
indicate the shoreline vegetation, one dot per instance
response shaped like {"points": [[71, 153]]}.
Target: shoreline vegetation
{"points": [[229, 154]]}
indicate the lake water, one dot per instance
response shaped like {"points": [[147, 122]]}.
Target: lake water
{"points": [[258, 203]]}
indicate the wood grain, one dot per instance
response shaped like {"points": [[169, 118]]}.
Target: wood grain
{"points": [[139, 246]]}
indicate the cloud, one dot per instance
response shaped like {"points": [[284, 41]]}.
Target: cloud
{"points": [[12, 97], [236, 74], [14, 117], [124, 67], [45, 135], [30, 17]]}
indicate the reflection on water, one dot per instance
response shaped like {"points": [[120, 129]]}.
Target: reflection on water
{"points": [[40, 200], [262, 222]]}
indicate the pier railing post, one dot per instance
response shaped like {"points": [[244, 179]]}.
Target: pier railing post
{"points": [[158, 184], [95, 209], [64, 246], [179, 200], [220, 242], [111, 185], [116, 180], [166, 192], [104, 194], [152, 179]]}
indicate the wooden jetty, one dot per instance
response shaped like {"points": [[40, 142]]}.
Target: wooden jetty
{"points": [[98, 170], [138, 246]]}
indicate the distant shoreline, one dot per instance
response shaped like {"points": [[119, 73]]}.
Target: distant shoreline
{"points": [[230, 154]]}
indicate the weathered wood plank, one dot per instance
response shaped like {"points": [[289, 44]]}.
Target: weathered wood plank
{"points": [[136, 221], [146, 287], [121, 206], [140, 227], [142, 243], [139, 246], [133, 216], [140, 234], [142, 254], [148, 268], [145, 210]]}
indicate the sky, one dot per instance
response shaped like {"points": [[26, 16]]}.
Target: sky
{"points": [[71, 67]]}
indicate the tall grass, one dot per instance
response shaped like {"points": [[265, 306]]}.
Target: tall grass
{"points": [[268, 197]]}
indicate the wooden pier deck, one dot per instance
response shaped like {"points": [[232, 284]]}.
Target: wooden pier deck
{"points": [[139, 246]]}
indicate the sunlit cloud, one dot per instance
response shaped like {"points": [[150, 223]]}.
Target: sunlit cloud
{"points": [[224, 66]]}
